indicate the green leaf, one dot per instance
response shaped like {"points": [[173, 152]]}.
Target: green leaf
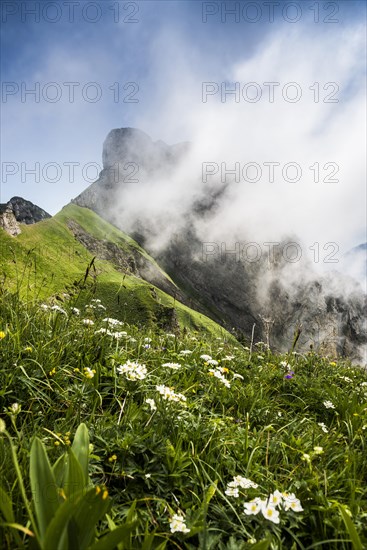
{"points": [[80, 447], [356, 541], [131, 515], [76, 520], [211, 492], [91, 508], [148, 541], [261, 545], [56, 530], [19, 528], [59, 470], [6, 506], [74, 481], [117, 536], [112, 525], [45, 493]]}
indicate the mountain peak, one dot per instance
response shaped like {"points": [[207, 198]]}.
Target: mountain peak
{"points": [[134, 145], [129, 156], [18, 210]]}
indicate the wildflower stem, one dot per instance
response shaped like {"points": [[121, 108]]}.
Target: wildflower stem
{"points": [[21, 485]]}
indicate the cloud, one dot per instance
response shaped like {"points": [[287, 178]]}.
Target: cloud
{"points": [[323, 130], [170, 62]]}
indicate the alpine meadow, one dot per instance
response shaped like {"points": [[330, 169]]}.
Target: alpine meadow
{"points": [[183, 275]]}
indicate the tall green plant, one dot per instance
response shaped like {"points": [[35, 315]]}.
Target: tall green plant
{"points": [[65, 507]]}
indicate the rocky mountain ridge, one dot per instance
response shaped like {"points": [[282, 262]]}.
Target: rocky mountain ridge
{"points": [[327, 312]]}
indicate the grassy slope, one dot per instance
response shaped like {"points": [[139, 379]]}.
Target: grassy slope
{"points": [[304, 434], [45, 259], [101, 229]]}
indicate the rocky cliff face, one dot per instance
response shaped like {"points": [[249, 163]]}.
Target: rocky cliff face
{"points": [[19, 210], [8, 221], [329, 311], [27, 212]]}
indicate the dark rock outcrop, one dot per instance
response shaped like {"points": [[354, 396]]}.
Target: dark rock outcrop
{"points": [[27, 212], [19, 210]]}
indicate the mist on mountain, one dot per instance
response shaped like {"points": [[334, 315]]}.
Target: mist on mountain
{"points": [[243, 280]]}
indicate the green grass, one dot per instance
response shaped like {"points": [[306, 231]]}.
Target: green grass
{"points": [[101, 229], [179, 458], [45, 261]]}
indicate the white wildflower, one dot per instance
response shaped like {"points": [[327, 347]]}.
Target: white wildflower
{"points": [[15, 408], [232, 492], [346, 379], [174, 366], [103, 331], [58, 309], [323, 427], [118, 335], [329, 405], [88, 322], [152, 404], [275, 499], [133, 371], [269, 512], [253, 507], [89, 373], [169, 395], [112, 322], [291, 502], [177, 524], [244, 483], [219, 375]]}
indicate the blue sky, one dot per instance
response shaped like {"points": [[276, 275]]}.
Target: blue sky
{"points": [[166, 55]]}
